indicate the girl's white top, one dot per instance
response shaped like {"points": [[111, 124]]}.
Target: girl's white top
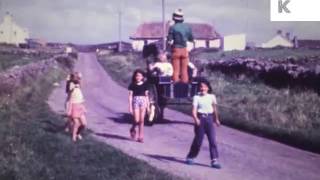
{"points": [[76, 95], [203, 103], [165, 68]]}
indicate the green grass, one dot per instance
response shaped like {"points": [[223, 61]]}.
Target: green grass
{"points": [[120, 67], [287, 115], [264, 54], [33, 145], [9, 60]]}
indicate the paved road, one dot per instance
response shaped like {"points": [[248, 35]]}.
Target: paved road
{"points": [[243, 156]]}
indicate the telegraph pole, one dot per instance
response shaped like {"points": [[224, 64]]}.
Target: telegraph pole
{"points": [[163, 26], [120, 37], [1, 8], [120, 26]]}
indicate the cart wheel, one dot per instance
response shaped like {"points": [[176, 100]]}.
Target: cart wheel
{"points": [[154, 110], [152, 115]]}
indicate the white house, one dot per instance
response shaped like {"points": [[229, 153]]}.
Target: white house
{"points": [[204, 35], [11, 33], [279, 40], [234, 42]]}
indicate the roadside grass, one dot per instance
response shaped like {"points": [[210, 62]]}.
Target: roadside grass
{"points": [[264, 54], [34, 146], [10, 60], [121, 66], [287, 115]]}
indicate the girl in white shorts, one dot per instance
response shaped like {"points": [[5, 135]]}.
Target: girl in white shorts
{"points": [[138, 103]]}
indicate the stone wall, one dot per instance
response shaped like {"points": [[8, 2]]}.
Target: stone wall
{"points": [[275, 73], [18, 76]]}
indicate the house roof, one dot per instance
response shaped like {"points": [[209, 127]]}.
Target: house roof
{"points": [[153, 30]]}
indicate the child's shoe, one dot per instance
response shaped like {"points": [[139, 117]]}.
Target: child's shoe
{"points": [[140, 140], [133, 133], [215, 164], [79, 137], [189, 161]]}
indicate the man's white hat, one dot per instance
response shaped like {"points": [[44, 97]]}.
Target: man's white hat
{"points": [[178, 15]]}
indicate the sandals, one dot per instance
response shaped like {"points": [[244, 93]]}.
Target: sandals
{"points": [[133, 136], [133, 133], [79, 137], [140, 140]]}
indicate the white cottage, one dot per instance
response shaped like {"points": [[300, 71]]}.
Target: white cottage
{"points": [[234, 42], [11, 33], [279, 40], [204, 34]]}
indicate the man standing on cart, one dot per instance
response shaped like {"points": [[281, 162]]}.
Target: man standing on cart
{"points": [[178, 35]]}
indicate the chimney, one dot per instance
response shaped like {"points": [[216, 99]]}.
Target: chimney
{"points": [[279, 32], [288, 35], [295, 41]]}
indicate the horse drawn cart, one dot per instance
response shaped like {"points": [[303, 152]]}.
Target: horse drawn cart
{"points": [[163, 91]]}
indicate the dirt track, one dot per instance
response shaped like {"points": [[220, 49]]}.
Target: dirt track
{"points": [[243, 156]]}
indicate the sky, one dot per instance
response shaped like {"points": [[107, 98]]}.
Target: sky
{"points": [[96, 21]]}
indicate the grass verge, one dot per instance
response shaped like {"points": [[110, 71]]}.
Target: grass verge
{"points": [[280, 54], [8, 60]]}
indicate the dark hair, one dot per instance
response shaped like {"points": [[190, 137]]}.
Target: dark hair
{"points": [[133, 79], [207, 83], [76, 79], [71, 76]]}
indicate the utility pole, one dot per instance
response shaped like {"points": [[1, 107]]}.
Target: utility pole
{"points": [[163, 26], [120, 37], [11, 29], [120, 26], [1, 7]]}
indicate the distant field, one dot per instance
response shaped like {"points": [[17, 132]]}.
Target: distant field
{"points": [[121, 66], [288, 115], [263, 54], [19, 57]]}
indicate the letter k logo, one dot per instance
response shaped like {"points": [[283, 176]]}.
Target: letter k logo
{"points": [[282, 6]]}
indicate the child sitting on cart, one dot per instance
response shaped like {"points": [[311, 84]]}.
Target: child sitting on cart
{"points": [[162, 67]]}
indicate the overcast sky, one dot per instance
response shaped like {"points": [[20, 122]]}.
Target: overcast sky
{"points": [[96, 21]]}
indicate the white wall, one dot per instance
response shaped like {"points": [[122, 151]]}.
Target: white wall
{"points": [[68, 49], [137, 45], [200, 43], [215, 43], [234, 42], [277, 41], [11, 33], [189, 46], [151, 41]]}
